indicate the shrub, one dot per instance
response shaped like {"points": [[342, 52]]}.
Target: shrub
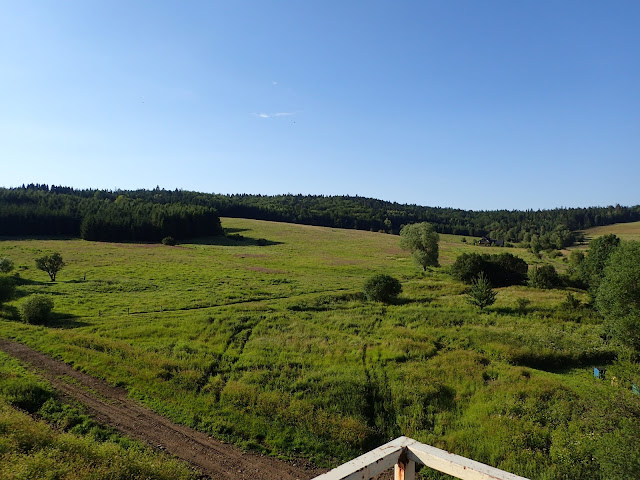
{"points": [[37, 309], [262, 242], [544, 277], [481, 294], [382, 288], [169, 241], [6, 265], [522, 304], [570, 303]]}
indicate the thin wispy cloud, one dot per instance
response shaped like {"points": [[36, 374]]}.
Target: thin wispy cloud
{"points": [[272, 115]]}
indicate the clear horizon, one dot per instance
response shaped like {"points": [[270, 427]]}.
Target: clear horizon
{"points": [[516, 106]]}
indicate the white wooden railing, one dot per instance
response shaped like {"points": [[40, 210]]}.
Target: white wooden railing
{"points": [[403, 453]]}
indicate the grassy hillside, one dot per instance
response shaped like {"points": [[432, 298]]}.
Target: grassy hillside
{"points": [[626, 231], [272, 347], [68, 445]]}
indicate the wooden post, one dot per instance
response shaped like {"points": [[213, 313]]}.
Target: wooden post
{"points": [[405, 469]]}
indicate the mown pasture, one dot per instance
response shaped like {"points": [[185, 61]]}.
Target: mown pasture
{"points": [[272, 347], [626, 231]]}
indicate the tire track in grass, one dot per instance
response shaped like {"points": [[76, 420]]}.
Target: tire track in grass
{"points": [[111, 406]]}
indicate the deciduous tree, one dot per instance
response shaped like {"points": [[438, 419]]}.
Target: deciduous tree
{"points": [[592, 267], [618, 297], [51, 264], [421, 239]]}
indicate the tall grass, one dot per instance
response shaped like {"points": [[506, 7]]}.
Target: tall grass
{"points": [[274, 348]]}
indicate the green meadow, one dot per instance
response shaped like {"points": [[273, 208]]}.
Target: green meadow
{"points": [[626, 231], [270, 345]]}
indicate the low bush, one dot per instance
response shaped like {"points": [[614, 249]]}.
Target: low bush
{"points": [[169, 241], [382, 288], [544, 277], [37, 309]]}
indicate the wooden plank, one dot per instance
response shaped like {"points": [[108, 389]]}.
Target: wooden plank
{"points": [[404, 471], [370, 464], [460, 467]]}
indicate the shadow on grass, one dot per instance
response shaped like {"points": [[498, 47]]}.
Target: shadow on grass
{"points": [[233, 240], [408, 301], [65, 321], [9, 312], [7, 238], [26, 281], [558, 362]]}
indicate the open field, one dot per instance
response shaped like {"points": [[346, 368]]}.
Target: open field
{"points": [[273, 348], [626, 231]]}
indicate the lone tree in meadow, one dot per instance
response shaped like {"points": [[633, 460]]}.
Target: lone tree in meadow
{"points": [[51, 264], [421, 239], [481, 294]]}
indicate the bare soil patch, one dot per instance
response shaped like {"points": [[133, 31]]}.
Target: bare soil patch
{"points": [[110, 405]]}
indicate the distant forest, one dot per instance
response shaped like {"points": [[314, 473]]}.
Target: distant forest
{"points": [[149, 215]]}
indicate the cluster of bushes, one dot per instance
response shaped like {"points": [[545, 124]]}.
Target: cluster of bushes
{"points": [[501, 270]]}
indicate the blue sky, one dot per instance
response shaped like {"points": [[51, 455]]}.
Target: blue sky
{"points": [[475, 105]]}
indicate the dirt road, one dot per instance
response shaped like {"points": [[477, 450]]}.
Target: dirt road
{"points": [[110, 406]]}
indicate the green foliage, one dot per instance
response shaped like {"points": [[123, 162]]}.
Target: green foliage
{"points": [[571, 303], [421, 239], [592, 267], [37, 309], [7, 289], [544, 276], [6, 265], [33, 449], [51, 264], [618, 296], [501, 270], [522, 304], [138, 220], [576, 257], [382, 288], [481, 294], [169, 241], [273, 348]]}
